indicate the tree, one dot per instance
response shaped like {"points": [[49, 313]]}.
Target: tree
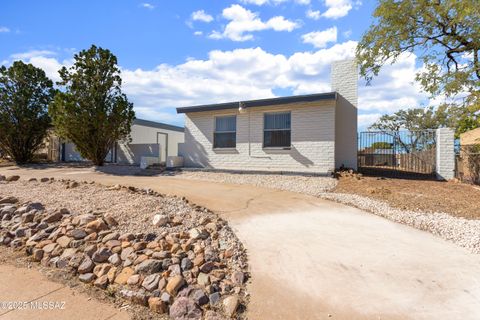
{"points": [[381, 145], [25, 92], [444, 33], [414, 120], [91, 111]]}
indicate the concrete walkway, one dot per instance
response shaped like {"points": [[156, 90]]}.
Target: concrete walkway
{"points": [[29, 286], [315, 259]]}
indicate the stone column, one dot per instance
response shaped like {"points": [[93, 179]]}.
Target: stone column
{"points": [[445, 162]]}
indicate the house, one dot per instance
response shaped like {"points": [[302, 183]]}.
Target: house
{"points": [[150, 139], [313, 133]]}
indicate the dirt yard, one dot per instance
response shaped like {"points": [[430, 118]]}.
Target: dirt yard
{"points": [[457, 199]]}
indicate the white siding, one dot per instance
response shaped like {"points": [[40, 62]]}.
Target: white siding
{"points": [[345, 82], [312, 137], [148, 142]]}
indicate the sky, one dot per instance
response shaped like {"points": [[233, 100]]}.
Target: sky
{"points": [[189, 52]]}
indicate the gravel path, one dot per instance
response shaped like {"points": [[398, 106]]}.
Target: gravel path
{"points": [[312, 185]]}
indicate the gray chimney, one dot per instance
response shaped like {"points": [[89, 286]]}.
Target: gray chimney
{"points": [[345, 79]]}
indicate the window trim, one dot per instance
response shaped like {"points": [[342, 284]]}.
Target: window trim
{"points": [[215, 131], [264, 130]]}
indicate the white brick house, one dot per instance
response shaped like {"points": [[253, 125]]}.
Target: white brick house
{"points": [[310, 133]]}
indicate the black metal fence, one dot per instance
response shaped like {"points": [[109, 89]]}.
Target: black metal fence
{"points": [[397, 153]]}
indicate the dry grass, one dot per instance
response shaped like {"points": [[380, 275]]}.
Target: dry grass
{"points": [[456, 199]]}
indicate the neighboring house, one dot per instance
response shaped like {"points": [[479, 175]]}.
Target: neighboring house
{"points": [[148, 139], [309, 133]]}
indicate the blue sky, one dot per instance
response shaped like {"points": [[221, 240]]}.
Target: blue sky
{"points": [[180, 53]]}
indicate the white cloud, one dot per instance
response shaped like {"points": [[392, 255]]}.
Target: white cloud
{"points": [[148, 6], [320, 39], [4, 30], [33, 53], [201, 15], [339, 8], [243, 22], [198, 33], [315, 15], [253, 73]]}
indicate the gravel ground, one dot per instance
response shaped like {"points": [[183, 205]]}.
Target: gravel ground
{"points": [[133, 211], [312, 185]]}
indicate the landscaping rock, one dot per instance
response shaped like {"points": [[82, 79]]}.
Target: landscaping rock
{"points": [[123, 276], [11, 200], [160, 220], [86, 266], [101, 282], [174, 284], [101, 255], [185, 308], [151, 282], [53, 217], [149, 266], [230, 305], [157, 305], [87, 277]]}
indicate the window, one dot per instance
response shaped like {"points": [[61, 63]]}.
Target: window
{"points": [[225, 135], [276, 130]]}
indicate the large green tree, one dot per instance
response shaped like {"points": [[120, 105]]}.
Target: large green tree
{"points": [[445, 34], [25, 93], [91, 111]]}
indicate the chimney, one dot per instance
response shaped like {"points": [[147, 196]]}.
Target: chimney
{"points": [[344, 79]]}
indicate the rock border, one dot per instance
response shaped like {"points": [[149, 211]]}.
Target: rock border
{"points": [[194, 274]]}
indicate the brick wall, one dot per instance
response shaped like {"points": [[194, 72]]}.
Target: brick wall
{"points": [[345, 81], [445, 162], [313, 140]]}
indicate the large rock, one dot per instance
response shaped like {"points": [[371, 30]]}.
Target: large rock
{"points": [[149, 266], [11, 200], [123, 276], [87, 277], [151, 282], [157, 305], [83, 219], [230, 305], [101, 282], [160, 220], [12, 178], [185, 308], [96, 226], [101, 255], [53, 217], [174, 284], [64, 241], [86, 266], [78, 234]]}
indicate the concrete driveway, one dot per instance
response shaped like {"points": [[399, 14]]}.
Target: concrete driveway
{"points": [[315, 259]]}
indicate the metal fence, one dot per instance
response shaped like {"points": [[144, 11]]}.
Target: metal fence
{"points": [[397, 153]]}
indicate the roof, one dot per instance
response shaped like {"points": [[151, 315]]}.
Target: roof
{"points": [[260, 102], [153, 124]]}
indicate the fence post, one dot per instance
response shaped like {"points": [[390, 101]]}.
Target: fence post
{"points": [[445, 159]]}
